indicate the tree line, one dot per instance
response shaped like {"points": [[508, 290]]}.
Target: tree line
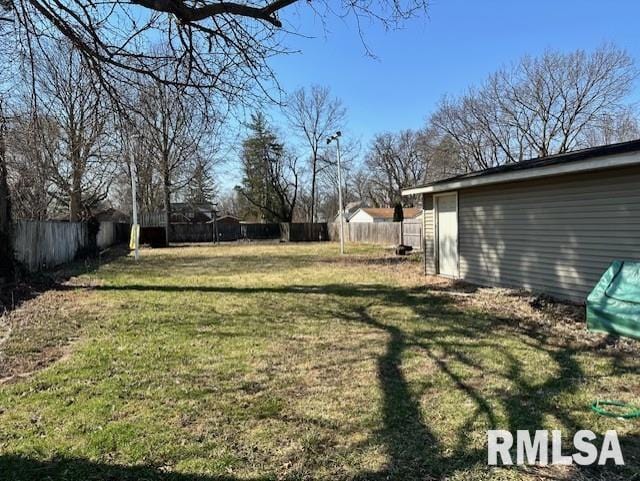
{"points": [[536, 107], [70, 151], [86, 86]]}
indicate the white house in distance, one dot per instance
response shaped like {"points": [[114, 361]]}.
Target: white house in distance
{"points": [[375, 214]]}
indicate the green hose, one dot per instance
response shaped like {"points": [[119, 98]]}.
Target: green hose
{"points": [[630, 412]]}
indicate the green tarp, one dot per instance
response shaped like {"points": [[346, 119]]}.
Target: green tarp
{"points": [[614, 304]]}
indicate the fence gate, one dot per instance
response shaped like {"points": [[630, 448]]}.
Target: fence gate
{"points": [[413, 233]]}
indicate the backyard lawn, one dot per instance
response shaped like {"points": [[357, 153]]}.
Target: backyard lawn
{"points": [[266, 361]]}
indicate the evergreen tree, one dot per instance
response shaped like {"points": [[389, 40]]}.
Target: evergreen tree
{"points": [[270, 177], [202, 188]]}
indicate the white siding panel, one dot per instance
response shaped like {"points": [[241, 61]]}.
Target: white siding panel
{"points": [[556, 235], [428, 232], [361, 216]]}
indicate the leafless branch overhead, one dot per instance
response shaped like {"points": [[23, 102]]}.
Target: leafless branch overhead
{"points": [[207, 43]]}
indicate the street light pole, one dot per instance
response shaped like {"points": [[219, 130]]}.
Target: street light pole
{"points": [[336, 137]]}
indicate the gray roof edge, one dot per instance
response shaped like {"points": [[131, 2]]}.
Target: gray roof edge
{"points": [[576, 161]]}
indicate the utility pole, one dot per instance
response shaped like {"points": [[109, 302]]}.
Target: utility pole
{"points": [[336, 137], [135, 228]]}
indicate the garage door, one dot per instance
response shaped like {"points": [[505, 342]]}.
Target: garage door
{"points": [[447, 209]]}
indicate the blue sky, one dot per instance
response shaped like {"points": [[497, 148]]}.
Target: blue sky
{"points": [[458, 45]]}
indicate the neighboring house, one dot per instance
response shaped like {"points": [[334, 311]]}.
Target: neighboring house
{"points": [[374, 214], [550, 224], [349, 210], [186, 212], [228, 219], [353, 206], [228, 227]]}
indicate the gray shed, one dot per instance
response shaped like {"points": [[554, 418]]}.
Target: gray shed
{"points": [[550, 225]]}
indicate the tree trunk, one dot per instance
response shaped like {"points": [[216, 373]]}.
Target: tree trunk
{"points": [[313, 187], [75, 198], [6, 229], [166, 191]]}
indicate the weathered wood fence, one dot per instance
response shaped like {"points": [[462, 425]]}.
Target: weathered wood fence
{"points": [[151, 219], [112, 233], [204, 232], [413, 233], [381, 233], [304, 232], [40, 245], [191, 233]]}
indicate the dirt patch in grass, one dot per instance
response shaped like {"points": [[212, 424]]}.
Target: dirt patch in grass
{"points": [[39, 332], [44, 313]]}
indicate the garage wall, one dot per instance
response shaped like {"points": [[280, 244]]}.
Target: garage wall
{"points": [[360, 216], [427, 229], [555, 235]]}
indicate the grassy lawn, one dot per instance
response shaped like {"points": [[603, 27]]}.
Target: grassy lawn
{"points": [[264, 362]]}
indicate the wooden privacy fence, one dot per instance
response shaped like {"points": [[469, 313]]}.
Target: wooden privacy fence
{"points": [[413, 233], [304, 232], [290, 232], [228, 232], [112, 233], [40, 245], [381, 233], [191, 233], [260, 231], [204, 232], [151, 219]]}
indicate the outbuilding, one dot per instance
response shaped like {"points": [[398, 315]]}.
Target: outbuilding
{"points": [[550, 225], [228, 219]]}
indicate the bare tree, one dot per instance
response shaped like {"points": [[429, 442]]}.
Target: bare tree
{"points": [[29, 167], [136, 150], [327, 191], [394, 162], [174, 127], [7, 264], [541, 106], [363, 188], [81, 163], [619, 127], [315, 115], [6, 230], [222, 45], [229, 203]]}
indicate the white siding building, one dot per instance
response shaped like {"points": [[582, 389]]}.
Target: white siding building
{"points": [[374, 214], [550, 225]]}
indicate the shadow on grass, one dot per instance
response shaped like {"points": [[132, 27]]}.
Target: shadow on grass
{"points": [[31, 285], [450, 338], [65, 469]]}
